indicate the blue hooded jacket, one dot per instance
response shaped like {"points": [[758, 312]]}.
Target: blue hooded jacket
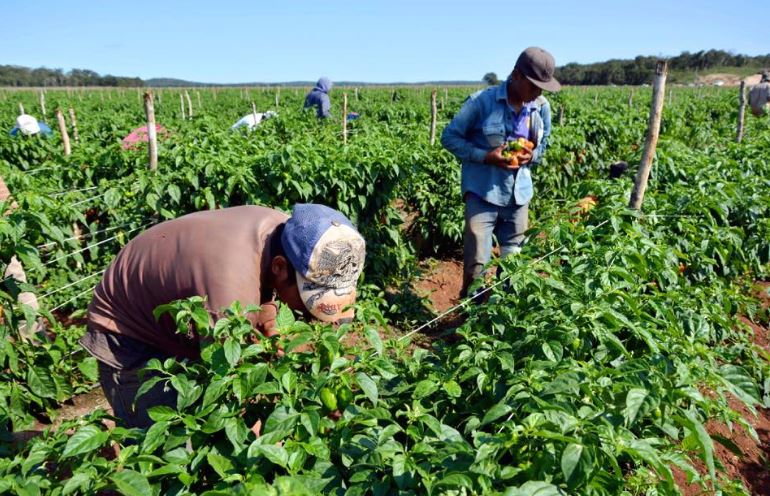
{"points": [[319, 97]]}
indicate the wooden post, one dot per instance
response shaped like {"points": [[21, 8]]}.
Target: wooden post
{"points": [[345, 118], [160, 97], [561, 115], [21, 109], [65, 138], [741, 112], [152, 138], [74, 123], [433, 117], [631, 98], [653, 130], [181, 103], [198, 94], [42, 104], [189, 104], [277, 97], [356, 93], [254, 112]]}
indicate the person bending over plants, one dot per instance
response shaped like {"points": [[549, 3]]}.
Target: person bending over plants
{"points": [[311, 261]]}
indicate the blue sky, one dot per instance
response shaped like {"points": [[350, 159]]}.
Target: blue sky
{"points": [[374, 41]]}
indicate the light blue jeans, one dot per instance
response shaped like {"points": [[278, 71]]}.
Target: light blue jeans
{"points": [[482, 221]]}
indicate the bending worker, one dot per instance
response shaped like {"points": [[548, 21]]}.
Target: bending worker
{"points": [[311, 261]]}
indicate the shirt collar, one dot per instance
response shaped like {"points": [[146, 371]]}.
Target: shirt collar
{"points": [[502, 91]]}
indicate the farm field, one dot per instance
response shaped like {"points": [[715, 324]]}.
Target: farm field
{"points": [[627, 352]]}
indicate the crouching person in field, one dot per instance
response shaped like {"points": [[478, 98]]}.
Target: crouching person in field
{"points": [[26, 125], [310, 261], [251, 121]]}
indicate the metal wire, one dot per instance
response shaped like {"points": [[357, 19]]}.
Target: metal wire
{"points": [[485, 290], [93, 245], [72, 284], [74, 298], [88, 235]]}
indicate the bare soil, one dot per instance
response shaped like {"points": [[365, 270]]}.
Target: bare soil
{"points": [[752, 467]]}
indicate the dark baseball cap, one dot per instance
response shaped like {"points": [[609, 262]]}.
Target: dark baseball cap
{"points": [[538, 66]]}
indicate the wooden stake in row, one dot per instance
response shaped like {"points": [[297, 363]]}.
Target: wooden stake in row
{"points": [[254, 112], [152, 138], [74, 124], [189, 105], [433, 117], [65, 137], [653, 131], [344, 118], [42, 104], [741, 112]]}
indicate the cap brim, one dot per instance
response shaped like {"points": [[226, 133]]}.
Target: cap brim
{"points": [[553, 85], [325, 303]]}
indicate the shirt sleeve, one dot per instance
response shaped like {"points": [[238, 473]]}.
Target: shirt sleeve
{"points": [[455, 135]]}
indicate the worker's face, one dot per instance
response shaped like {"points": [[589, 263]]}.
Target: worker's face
{"points": [[285, 284], [524, 88]]}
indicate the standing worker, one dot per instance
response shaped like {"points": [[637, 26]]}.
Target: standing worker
{"points": [[319, 98], [496, 191], [311, 261], [759, 96]]}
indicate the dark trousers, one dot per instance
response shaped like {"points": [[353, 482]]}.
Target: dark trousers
{"points": [[120, 387]]}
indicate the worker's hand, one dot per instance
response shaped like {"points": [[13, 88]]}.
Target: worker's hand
{"points": [[495, 157], [524, 156], [266, 319]]}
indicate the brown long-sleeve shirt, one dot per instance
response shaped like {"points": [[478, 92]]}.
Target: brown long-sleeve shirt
{"points": [[219, 254]]}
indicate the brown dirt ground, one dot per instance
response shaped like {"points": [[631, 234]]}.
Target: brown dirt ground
{"points": [[752, 469]]}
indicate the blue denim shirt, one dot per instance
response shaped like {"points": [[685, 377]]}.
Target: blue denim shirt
{"points": [[481, 125]]}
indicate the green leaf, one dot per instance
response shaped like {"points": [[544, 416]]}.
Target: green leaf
{"points": [[155, 436], [236, 432], [453, 389], [221, 464], [276, 454], [424, 388], [89, 367], [40, 382], [374, 338], [576, 463], [285, 318], [534, 488], [86, 439], [456, 480], [187, 391], [215, 390], [495, 413], [79, 483], [132, 483], [703, 439], [634, 401], [161, 413], [232, 351], [368, 386]]}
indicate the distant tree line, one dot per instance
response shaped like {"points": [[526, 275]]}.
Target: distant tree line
{"points": [[13, 75], [640, 69]]}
